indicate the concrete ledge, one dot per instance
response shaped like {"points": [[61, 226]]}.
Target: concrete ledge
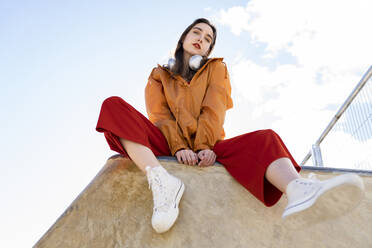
{"points": [[115, 210], [306, 168]]}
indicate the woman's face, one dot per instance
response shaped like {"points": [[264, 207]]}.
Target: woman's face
{"points": [[198, 40]]}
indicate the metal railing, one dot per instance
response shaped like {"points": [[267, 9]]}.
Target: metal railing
{"points": [[349, 134]]}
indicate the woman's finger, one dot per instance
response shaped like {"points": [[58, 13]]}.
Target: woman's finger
{"points": [[189, 158], [183, 156], [206, 161], [207, 158], [211, 158], [214, 158], [213, 161], [178, 157], [201, 163], [210, 161], [194, 158]]}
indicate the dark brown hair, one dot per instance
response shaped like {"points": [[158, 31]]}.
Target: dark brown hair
{"points": [[180, 68]]}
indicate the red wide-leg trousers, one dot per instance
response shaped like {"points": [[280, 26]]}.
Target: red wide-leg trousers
{"points": [[246, 157]]}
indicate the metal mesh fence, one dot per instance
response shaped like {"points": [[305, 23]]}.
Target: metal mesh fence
{"points": [[347, 140], [349, 143]]}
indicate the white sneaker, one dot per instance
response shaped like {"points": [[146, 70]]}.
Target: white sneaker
{"points": [[167, 191], [302, 193]]}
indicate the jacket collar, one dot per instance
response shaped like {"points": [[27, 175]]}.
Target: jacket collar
{"points": [[197, 73]]}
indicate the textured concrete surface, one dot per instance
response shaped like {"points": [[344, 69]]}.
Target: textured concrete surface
{"points": [[115, 210]]}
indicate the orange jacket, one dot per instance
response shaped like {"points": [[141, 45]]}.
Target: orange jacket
{"points": [[190, 115]]}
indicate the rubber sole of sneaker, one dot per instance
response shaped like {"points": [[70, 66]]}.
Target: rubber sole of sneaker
{"points": [[345, 192], [179, 195]]}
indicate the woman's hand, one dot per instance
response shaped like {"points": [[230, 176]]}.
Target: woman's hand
{"points": [[187, 156], [207, 157]]}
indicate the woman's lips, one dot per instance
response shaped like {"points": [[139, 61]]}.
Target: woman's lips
{"points": [[196, 45]]}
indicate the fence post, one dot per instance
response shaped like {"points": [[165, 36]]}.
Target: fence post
{"points": [[316, 155]]}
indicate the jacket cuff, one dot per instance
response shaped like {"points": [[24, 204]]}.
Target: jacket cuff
{"points": [[177, 148], [201, 147]]}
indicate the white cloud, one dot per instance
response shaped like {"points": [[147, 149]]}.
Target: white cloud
{"points": [[235, 17], [331, 46], [318, 33]]}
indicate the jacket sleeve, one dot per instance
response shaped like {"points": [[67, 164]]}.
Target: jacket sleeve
{"points": [[160, 115], [216, 101]]}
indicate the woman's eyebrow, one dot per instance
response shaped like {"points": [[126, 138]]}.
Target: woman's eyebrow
{"points": [[202, 30]]}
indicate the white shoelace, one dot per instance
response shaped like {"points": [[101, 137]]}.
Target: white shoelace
{"points": [[312, 176], [161, 202]]}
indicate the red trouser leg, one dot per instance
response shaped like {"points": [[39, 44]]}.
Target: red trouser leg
{"points": [[119, 119], [246, 157]]}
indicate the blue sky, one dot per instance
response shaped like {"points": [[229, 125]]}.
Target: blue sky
{"points": [[60, 60]]}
